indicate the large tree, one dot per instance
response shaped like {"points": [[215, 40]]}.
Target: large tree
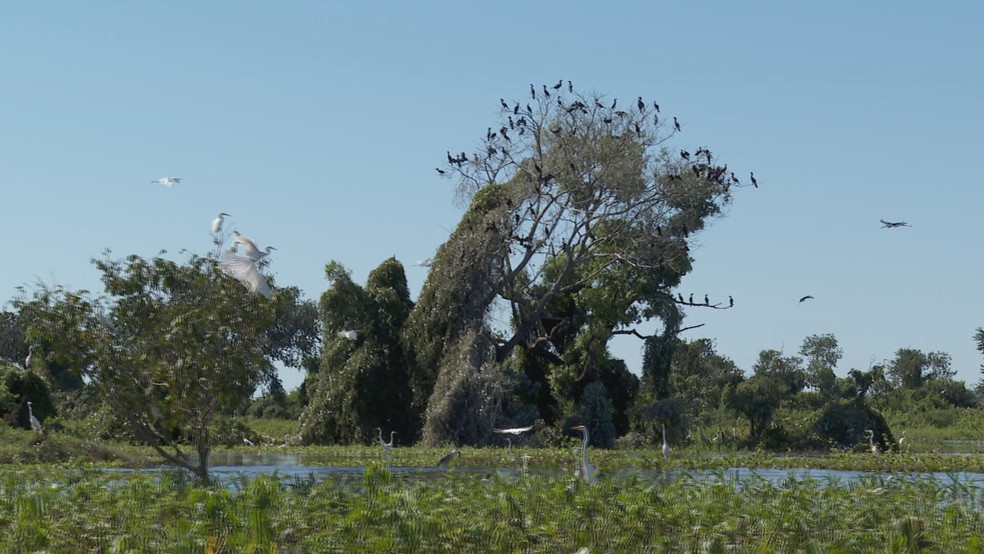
{"points": [[362, 381], [822, 354], [578, 226], [170, 347]]}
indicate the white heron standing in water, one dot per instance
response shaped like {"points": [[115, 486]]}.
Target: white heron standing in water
{"points": [[35, 423], [587, 470], [666, 445], [387, 446]]}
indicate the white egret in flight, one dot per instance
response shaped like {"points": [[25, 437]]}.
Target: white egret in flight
{"points": [[426, 262], [217, 222], [252, 251], [513, 430], [35, 423], [167, 181], [246, 272], [587, 470]]}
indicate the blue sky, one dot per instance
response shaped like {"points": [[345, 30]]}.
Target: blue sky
{"points": [[318, 126]]}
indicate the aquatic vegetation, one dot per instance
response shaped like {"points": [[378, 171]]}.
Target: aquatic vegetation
{"points": [[81, 508]]}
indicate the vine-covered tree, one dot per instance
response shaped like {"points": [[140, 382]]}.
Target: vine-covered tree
{"points": [[363, 381], [170, 347], [578, 226], [912, 367]]}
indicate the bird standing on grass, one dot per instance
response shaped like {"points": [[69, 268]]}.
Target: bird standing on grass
{"points": [[586, 469], [446, 459], [35, 423], [666, 445]]}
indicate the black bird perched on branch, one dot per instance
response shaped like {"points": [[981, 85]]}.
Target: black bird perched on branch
{"points": [[684, 154], [676, 124], [656, 107], [570, 87], [752, 176], [680, 297], [532, 91], [691, 298], [805, 298], [641, 104], [439, 170], [706, 300], [731, 302], [559, 84]]}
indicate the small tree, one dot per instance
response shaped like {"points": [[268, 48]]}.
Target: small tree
{"points": [[822, 354], [171, 347]]}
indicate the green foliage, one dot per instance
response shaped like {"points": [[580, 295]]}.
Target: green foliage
{"points": [[172, 346], [468, 394], [17, 388], [362, 384], [757, 399], [708, 512], [843, 423]]}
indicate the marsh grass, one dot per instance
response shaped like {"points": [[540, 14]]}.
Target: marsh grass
{"points": [[81, 509]]}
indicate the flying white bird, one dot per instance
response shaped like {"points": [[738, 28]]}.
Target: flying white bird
{"points": [[513, 430], [252, 251], [217, 222], [167, 181], [245, 270], [349, 334], [426, 262]]}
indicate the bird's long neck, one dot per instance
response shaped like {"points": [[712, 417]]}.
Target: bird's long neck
{"points": [[380, 431], [584, 452], [30, 412], [392, 433]]}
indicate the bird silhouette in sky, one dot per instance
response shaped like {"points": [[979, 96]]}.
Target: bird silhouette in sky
{"points": [[893, 224], [805, 298]]}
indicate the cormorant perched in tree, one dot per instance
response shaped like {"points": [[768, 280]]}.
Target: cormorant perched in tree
{"points": [[532, 92], [439, 170], [641, 104], [680, 297], [559, 84], [706, 300], [731, 302], [656, 106], [754, 182], [691, 299], [676, 124], [684, 154]]}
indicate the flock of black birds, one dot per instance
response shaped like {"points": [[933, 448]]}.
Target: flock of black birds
{"points": [[700, 161]]}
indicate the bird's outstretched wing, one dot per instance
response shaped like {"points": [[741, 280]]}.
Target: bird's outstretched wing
{"points": [[513, 430], [245, 271], [891, 224], [805, 298]]}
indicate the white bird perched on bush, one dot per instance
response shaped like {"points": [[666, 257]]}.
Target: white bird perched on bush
{"points": [[217, 222], [246, 272], [167, 181], [252, 251], [349, 334]]}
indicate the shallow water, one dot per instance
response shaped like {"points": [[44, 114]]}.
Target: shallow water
{"points": [[231, 467]]}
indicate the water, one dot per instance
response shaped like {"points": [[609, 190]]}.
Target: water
{"points": [[231, 467]]}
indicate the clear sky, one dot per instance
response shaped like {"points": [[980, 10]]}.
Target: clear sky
{"points": [[318, 126]]}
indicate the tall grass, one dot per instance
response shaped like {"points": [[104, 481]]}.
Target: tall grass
{"points": [[83, 510]]}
